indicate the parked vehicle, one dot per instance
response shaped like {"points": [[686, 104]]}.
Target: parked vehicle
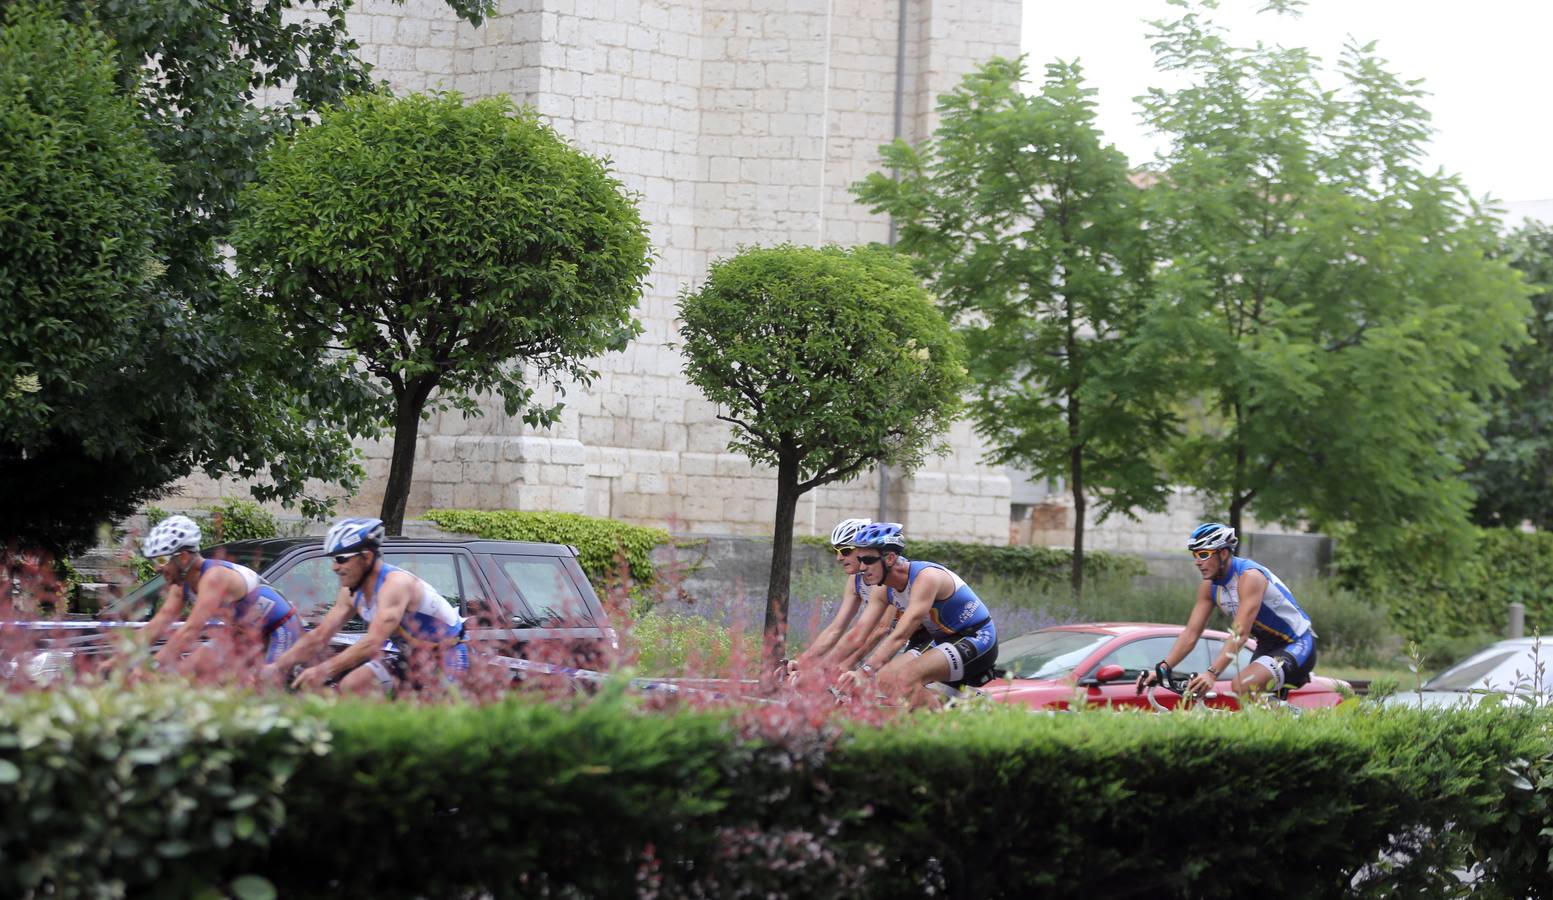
{"points": [[521, 599], [1098, 664], [1516, 670]]}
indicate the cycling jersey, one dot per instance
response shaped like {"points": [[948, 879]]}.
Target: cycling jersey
{"points": [[429, 619], [1285, 641], [1280, 619], [260, 608], [959, 626]]}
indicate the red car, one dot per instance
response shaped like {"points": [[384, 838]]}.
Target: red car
{"points": [[1097, 665]]}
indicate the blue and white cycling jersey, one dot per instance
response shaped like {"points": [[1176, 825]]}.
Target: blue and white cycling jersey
{"points": [[430, 619], [1280, 620], [958, 615], [261, 607]]}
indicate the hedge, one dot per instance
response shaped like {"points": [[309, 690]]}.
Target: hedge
{"points": [[111, 791], [1432, 594], [1039, 564], [600, 543]]}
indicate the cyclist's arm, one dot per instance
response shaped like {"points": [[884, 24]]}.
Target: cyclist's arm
{"points": [[923, 593], [165, 616], [825, 641], [1252, 586], [854, 642], [216, 585], [871, 640], [393, 601], [307, 647]]}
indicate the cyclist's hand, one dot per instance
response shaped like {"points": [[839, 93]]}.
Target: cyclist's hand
{"points": [[1200, 684], [311, 677], [1146, 678], [852, 681]]}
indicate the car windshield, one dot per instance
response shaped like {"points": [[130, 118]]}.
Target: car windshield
{"points": [[1497, 668], [141, 602], [1047, 654]]}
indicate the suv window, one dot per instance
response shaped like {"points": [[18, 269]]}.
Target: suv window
{"points": [[544, 584], [311, 587]]}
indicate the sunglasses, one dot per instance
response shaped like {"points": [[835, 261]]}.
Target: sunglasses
{"points": [[868, 560], [1204, 554], [844, 551], [160, 561], [343, 558]]}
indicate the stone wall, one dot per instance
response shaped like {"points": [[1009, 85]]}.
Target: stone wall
{"points": [[736, 122]]}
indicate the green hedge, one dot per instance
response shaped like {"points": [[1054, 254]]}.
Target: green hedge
{"points": [[120, 790], [109, 792], [1432, 593], [600, 543], [1038, 564]]}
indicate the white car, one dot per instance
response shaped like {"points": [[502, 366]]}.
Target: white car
{"points": [[1519, 670]]}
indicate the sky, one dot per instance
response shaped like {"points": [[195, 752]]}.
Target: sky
{"points": [[1488, 65]]}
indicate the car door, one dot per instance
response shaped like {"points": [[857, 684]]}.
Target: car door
{"points": [[1135, 656], [545, 604]]}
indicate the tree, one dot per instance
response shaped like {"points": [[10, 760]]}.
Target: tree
{"points": [[447, 248], [825, 362], [1029, 230], [1338, 306], [1513, 476], [80, 195], [191, 383]]}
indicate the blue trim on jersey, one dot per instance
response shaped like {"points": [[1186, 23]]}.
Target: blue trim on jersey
{"points": [[1280, 618], [959, 615], [263, 607], [419, 624]]}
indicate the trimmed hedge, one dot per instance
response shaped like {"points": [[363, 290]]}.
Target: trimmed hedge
{"points": [[103, 792], [523, 800], [1039, 564], [1432, 594], [600, 543], [108, 791]]}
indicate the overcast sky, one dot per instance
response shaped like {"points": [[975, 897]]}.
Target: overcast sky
{"points": [[1488, 65]]}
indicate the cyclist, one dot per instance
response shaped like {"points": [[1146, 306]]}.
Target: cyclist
{"points": [[842, 541], [946, 630], [1260, 605], [397, 606], [217, 589]]}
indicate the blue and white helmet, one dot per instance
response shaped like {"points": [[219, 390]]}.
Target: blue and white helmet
{"points": [[1212, 536], [883, 535], [351, 535], [170, 535], [845, 532]]}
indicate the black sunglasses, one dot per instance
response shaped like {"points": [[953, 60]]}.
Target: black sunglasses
{"points": [[868, 560]]}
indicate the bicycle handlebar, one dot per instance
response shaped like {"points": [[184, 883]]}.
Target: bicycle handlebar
{"points": [[1176, 683]]}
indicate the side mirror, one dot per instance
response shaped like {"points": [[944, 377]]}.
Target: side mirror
{"points": [[1109, 673]]}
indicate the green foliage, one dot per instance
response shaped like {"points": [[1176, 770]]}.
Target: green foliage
{"points": [[676, 644], [825, 361], [604, 546], [450, 249], [1037, 564], [1513, 477], [1436, 593], [79, 214], [792, 343], [1030, 232], [110, 791], [1338, 304]]}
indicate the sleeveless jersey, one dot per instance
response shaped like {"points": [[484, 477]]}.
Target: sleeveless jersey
{"points": [[960, 613], [261, 606], [429, 617], [1280, 619]]}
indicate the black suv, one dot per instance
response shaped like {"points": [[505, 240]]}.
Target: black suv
{"points": [[517, 596]]}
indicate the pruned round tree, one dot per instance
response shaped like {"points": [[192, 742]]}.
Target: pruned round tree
{"points": [[826, 362], [451, 249]]}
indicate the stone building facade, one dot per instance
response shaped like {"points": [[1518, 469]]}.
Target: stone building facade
{"points": [[737, 122]]}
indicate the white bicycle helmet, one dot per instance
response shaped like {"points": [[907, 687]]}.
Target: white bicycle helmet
{"points": [[845, 532], [351, 535], [170, 535], [1212, 536]]}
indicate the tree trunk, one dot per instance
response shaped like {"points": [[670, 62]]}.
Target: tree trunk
{"points": [[407, 425], [775, 636], [1076, 580]]}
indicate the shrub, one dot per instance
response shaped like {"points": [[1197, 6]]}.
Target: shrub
{"points": [[602, 544], [681, 643], [1430, 592], [1041, 565], [107, 791]]}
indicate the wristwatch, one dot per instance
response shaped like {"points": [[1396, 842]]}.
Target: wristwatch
{"points": [[866, 668]]}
